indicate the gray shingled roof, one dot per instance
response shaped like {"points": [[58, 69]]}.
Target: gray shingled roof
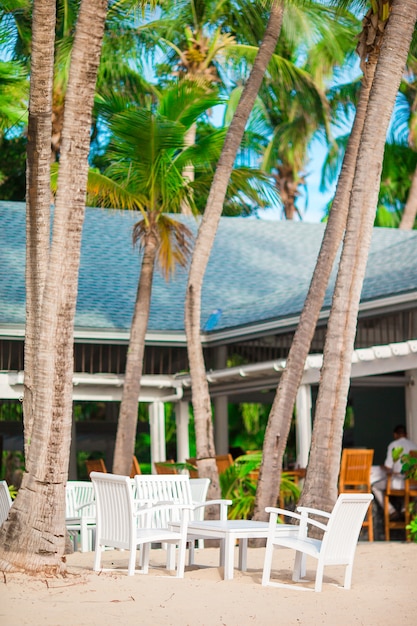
{"points": [[258, 271]]}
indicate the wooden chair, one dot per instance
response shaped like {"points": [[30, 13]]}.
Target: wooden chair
{"points": [[95, 465], [337, 547], [355, 477], [135, 467], [166, 467], [408, 493], [223, 461]]}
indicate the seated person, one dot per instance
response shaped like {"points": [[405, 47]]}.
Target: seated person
{"points": [[393, 467]]}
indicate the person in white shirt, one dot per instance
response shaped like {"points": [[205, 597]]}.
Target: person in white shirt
{"points": [[393, 467]]}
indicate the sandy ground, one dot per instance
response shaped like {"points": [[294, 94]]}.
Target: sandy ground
{"points": [[383, 592]]}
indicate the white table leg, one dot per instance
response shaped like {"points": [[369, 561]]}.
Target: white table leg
{"points": [[243, 553], [229, 555]]}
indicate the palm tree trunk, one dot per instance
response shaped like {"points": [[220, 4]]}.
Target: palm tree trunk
{"points": [[320, 489], [204, 243], [128, 415], [279, 421], [38, 189], [33, 537], [410, 210]]}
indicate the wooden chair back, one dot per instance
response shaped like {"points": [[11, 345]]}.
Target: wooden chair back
{"points": [[355, 470], [223, 461], [135, 467], [166, 467], [355, 477], [95, 465]]}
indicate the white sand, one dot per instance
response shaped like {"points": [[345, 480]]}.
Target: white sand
{"points": [[383, 593]]}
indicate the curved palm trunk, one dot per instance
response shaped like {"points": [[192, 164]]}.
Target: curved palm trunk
{"points": [[128, 415], [33, 537], [279, 421], [204, 243], [410, 210], [188, 172], [38, 190], [320, 489]]}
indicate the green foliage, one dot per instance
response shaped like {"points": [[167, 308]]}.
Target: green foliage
{"points": [[13, 491], [409, 466], [412, 529], [238, 483], [409, 469]]}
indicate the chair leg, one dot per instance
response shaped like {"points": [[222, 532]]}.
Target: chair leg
{"points": [[181, 558], [370, 523], [386, 518], [191, 545], [319, 577], [299, 570], [132, 561], [348, 576], [170, 556], [266, 576], [145, 557], [97, 557]]}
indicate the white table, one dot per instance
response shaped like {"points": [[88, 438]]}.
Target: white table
{"points": [[228, 531]]}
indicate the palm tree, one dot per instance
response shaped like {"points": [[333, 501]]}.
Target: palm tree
{"points": [[148, 154], [205, 238], [279, 421], [32, 539], [324, 40], [320, 489]]}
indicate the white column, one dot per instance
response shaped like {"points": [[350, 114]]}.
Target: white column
{"points": [[411, 405], [157, 428], [182, 417], [303, 424]]}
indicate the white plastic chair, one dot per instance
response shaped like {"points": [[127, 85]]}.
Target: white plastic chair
{"points": [[5, 501], [120, 525], [80, 513], [199, 488], [337, 547]]}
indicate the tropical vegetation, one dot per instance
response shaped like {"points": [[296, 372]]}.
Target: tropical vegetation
{"points": [[120, 98]]}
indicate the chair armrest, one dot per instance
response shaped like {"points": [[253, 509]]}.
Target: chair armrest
{"points": [[83, 506], [308, 510], [304, 519], [277, 511], [223, 506]]}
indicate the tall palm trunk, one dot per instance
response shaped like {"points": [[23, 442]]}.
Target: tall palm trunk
{"points": [[38, 189], [320, 489], [33, 537], [410, 210], [204, 243], [279, 421], [128, 415]]}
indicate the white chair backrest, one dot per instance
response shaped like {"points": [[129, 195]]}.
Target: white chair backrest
{"points": [[344, 526], [116, 522], [199, 488], [83, 495], [163, 488], [157, 488], [5, 501], [70, 501]]}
